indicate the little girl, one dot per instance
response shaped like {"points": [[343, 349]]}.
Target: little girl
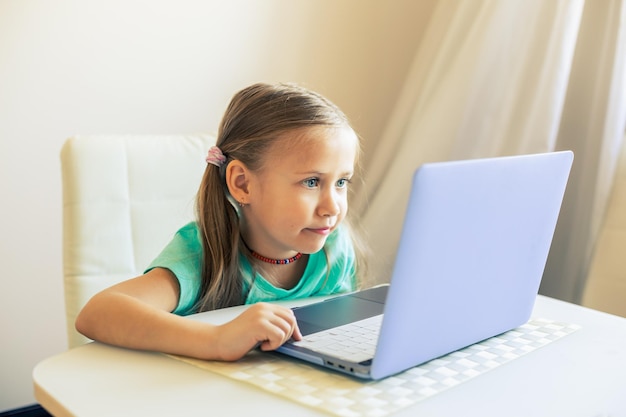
{"points": [[270, 209]]}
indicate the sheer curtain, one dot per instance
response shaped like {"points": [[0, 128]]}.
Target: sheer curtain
{"points": [[501, 78]]}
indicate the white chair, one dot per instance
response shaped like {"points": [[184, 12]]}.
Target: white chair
{"points": [[123, 199]]}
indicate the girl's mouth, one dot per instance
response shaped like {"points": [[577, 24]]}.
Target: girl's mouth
{"points": [[324, 231]]}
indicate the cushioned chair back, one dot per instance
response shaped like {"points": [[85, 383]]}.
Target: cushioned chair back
{"points": [[123, 199]]}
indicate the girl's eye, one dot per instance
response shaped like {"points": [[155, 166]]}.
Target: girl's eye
{"points": [[311, 182], [342, 183]]}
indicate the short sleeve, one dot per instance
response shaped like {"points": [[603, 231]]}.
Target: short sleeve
{"points": [[183, 256]]}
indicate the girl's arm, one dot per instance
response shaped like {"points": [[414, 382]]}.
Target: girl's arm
{"points": [[136, 314]]}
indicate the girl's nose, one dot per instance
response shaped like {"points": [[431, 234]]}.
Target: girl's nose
{"points": [[329, 205]]}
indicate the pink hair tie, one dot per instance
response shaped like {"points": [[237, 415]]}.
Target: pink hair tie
{"points": [[215, 157]]}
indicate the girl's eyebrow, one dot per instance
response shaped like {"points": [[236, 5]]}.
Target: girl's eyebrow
{"points": [[320, 173]]}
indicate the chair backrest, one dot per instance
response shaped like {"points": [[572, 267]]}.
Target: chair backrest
{"points": [[124, 197]]}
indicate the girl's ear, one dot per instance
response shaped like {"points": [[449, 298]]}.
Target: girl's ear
{"points": [[237, 181]]}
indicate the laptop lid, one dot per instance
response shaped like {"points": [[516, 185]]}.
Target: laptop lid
{"points": [[474, 244]]}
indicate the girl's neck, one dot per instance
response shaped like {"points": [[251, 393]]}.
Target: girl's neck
{"points": [[283, 276]]}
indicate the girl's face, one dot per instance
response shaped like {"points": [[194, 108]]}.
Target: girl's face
{"points": [[301, 194]]}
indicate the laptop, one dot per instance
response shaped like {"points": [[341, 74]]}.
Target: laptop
{"points": [[473, 248]]}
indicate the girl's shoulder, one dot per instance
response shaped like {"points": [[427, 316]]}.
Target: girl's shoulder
{"points": [[340, 236], [187, 238], [339, 243], [189, 231], [189, 228]]}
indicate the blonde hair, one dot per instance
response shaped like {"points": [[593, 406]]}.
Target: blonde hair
{"points": [[254, 119]]}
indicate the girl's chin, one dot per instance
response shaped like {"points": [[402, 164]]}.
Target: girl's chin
{"points": [[313, 247]]}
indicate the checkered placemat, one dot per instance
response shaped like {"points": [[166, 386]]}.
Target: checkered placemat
{"points": [[346, 396]]}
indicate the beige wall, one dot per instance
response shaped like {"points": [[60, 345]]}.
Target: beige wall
{"points": [[80, 67]]}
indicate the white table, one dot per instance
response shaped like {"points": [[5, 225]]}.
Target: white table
{"points": [[582, 374]]}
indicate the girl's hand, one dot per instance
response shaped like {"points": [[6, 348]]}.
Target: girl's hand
{"points": [[262, 324]]}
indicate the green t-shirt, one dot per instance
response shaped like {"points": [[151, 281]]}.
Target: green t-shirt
{"points": [[329, 271]]}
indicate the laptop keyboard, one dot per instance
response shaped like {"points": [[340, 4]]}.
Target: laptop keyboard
{"points": [[354, 342]]}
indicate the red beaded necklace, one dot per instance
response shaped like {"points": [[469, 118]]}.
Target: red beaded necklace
{"points": [[276, 261], [273, 261]]}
